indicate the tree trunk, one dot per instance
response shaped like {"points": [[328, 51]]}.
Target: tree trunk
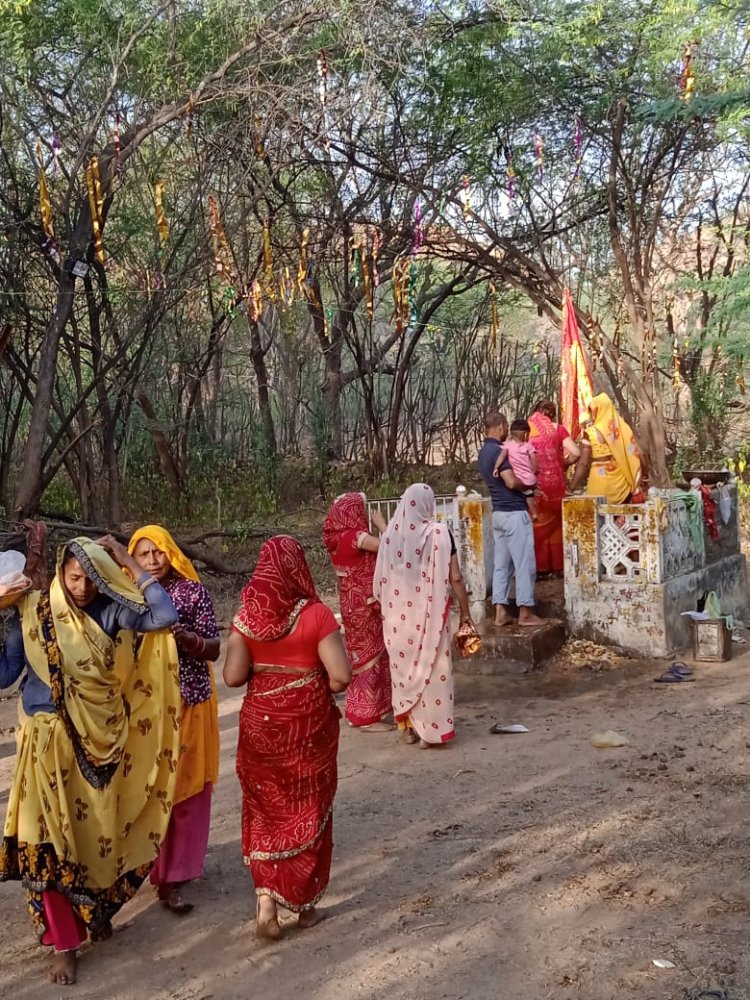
{"points": [[167, 462]]}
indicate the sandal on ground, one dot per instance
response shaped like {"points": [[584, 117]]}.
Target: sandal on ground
{"points": [[672, 677], [377, 727], [681, 668]]}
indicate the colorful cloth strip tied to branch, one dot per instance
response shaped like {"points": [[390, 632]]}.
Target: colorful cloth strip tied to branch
{"points": [[400, 280], [45, 205], [96, 206], [539, 154], [162, 228], [687, 76], [510, 173]]}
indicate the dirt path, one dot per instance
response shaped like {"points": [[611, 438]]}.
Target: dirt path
{"points": [[505, 868]]}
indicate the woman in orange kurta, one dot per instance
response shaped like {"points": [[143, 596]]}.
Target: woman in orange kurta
{"points": [[183, 852]]}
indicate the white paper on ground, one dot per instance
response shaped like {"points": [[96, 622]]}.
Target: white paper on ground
{"points": [[515, 728], [663, 963]]}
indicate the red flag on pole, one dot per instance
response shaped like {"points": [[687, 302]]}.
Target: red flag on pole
{"points": [[576, 389]]}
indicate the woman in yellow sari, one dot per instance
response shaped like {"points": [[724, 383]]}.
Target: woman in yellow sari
{"points": [[614, 464], [184, 850], [98, 743]]}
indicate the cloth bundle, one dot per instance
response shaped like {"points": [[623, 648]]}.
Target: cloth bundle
{"points": [[13, 581]]}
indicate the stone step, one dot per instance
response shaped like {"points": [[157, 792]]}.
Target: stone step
{"points": [[513, 649], [550, 600]]}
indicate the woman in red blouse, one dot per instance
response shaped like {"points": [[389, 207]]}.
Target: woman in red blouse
{"points": [[353, 551], [286, 646]]}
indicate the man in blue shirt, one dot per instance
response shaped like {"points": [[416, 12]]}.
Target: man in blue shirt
{"points": [[511, 527]]}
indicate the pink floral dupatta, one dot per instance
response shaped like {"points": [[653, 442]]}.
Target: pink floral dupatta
{"points": [[412, 584]]}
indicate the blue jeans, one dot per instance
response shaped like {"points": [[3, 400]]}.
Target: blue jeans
{"points": [[514, 554]]}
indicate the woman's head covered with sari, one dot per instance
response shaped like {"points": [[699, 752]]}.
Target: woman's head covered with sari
{"points": [[101, 571], [348, 512], [413, 564], [162, 539], [610, 429], [280, 587]]}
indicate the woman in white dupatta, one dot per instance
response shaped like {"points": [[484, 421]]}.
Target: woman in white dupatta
{"points": [[416, 569]]}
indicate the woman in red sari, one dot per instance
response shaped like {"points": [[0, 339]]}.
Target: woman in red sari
{"points": [[346, 534], [555, 450], [286, 646]]}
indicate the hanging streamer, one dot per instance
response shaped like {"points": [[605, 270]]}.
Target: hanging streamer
{"points": [[162, 226], [96, 205], [400, 281], [687, 76], [676, 376], [302, 269], [323, 77], [539, 154], [510, 173], [45, 205], [375, 254], [578, 146], [466, 198], [222, 263]]}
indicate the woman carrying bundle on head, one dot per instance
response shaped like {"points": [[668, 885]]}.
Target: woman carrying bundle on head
{"points": [[97, 746], [183, 853], [286, 646], [353, 551]]}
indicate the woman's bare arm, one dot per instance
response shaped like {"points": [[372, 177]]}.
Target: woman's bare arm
{"points": [[332, 653], [239, 664], [459, 589], [571, 451], [368, 542], [583, 466]]}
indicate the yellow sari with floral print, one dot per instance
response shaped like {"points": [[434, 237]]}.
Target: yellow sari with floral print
{"points": [[94, 780]]}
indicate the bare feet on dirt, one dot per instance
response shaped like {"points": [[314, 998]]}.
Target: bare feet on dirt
{"points": [[63, 968], [502, 618], [267, 920], [309, 918]]}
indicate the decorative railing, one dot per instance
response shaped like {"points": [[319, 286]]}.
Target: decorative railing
{"points": [[446, 509], [654, 541]]}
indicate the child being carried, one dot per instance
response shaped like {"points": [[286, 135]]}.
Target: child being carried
{"points": [[523, 462]]}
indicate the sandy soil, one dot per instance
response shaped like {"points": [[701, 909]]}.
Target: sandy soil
{"points": [[505, 867]]}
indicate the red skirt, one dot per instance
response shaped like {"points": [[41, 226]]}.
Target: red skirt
{"points": [[286, 763]]}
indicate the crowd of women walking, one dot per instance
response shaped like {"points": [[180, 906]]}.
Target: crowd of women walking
{"points": [[118, 741]]}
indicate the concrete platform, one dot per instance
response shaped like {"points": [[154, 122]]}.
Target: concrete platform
{"points": [[512, 649]]}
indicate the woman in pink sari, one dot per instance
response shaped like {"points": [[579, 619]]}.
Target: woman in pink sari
{"points": [[415, 571], [555, 450], [346, 534]]}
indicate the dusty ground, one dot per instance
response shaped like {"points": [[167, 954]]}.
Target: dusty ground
{"points": [[505, 867]]}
